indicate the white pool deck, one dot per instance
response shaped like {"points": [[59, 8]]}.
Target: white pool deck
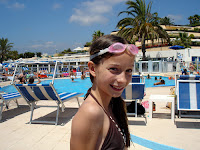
{"points": [[17, 134]]}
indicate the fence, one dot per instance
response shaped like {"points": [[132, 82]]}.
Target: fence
{"points": [[166, 66], [140, 66]]}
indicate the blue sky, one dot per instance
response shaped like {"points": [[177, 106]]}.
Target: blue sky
{"points": [[49, 25]]}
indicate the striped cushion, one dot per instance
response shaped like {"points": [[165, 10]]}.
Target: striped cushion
{"points": [[43, 92], [64, 95], [188, 95], [134, 91], [135, 78], [9, 96], [189, 77]]}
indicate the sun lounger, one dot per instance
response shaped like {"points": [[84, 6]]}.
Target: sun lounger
{"points": [[135, 78], [6, 98], [134, 92], [188, 96], [33, 93]]}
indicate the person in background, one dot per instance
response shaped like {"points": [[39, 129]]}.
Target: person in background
{"points": [[31, 80], [74, 72], [82, 75], [184, 72], [159, 83], [22, 80], [155, 78], [71, 75], [148, 76], [101, 121]]}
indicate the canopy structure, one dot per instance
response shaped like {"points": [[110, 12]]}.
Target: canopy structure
{"points": [[78, 49], [177, 47]]}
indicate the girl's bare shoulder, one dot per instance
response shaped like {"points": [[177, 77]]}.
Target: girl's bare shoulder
{"points": [[90, 110], [89, 120]]}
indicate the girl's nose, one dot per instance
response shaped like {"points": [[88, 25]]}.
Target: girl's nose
{"points": [[122, 78]]}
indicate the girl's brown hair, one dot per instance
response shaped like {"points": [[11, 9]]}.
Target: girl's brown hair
{"points": [[117, 104]]}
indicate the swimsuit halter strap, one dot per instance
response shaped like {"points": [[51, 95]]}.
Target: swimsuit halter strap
{"points": [[119, 129], [99, 103]]}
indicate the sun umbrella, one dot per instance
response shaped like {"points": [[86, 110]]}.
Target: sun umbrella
{"points": [[176, 47]]}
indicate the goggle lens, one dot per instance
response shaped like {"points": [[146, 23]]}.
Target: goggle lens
{"points": [[117, 48]]}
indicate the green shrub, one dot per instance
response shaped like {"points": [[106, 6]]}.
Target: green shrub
{"points": [[196, 29], [191, 36]]}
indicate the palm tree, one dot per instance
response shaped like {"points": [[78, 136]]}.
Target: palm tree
{"points": [[194, 20], [97, 34], [5, 47], [166, 21], [183, 40], [13, 55], [141, 24], [191, 19]]}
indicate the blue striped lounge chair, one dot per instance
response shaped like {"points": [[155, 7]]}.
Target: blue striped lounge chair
{"points": [[188, 96], [134, 92], [136, 78], [36, 92], [6, 98]]}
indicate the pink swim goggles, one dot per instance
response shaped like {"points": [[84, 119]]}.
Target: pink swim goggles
{"points": [[117, 48]]}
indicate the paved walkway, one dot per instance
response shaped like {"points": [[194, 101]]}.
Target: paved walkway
{"points": [[17, 134]]}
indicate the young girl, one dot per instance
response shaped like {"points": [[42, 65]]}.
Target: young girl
{"points": [[101, 121]]}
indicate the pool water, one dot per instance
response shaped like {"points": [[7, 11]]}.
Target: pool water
{"points": [[150, 82], [81, 86], [61, 85]]}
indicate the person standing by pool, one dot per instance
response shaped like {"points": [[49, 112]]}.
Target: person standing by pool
{"points": [[101, 121], [71, 74], [82, 75]]}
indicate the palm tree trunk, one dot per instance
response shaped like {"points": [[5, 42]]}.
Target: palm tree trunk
{"points": [[143, 50], [1, 61]]}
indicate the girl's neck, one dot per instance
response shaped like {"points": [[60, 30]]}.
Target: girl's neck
{"points": [[103, 99]]}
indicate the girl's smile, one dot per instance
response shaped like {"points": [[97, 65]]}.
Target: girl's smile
{"points": [[117, 88]]}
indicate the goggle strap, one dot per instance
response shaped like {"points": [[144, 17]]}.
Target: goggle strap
{"points": [[99, 53]]}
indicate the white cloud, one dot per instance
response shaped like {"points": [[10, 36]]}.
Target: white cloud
{"points": [[42, 44], [176, 18], [95, 11], [17, 6], [56, 6]]}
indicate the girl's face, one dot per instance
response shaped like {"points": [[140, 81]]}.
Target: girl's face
{"points": [[113, 74]]}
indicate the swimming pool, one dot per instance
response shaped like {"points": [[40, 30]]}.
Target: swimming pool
{"points": [[150, 82], [63, 85]]}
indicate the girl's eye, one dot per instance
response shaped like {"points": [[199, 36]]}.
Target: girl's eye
{"points": [[129, 70], [113, 69]]}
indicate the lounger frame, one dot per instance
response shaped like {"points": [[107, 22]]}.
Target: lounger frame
{"points": [[6, 98]]}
